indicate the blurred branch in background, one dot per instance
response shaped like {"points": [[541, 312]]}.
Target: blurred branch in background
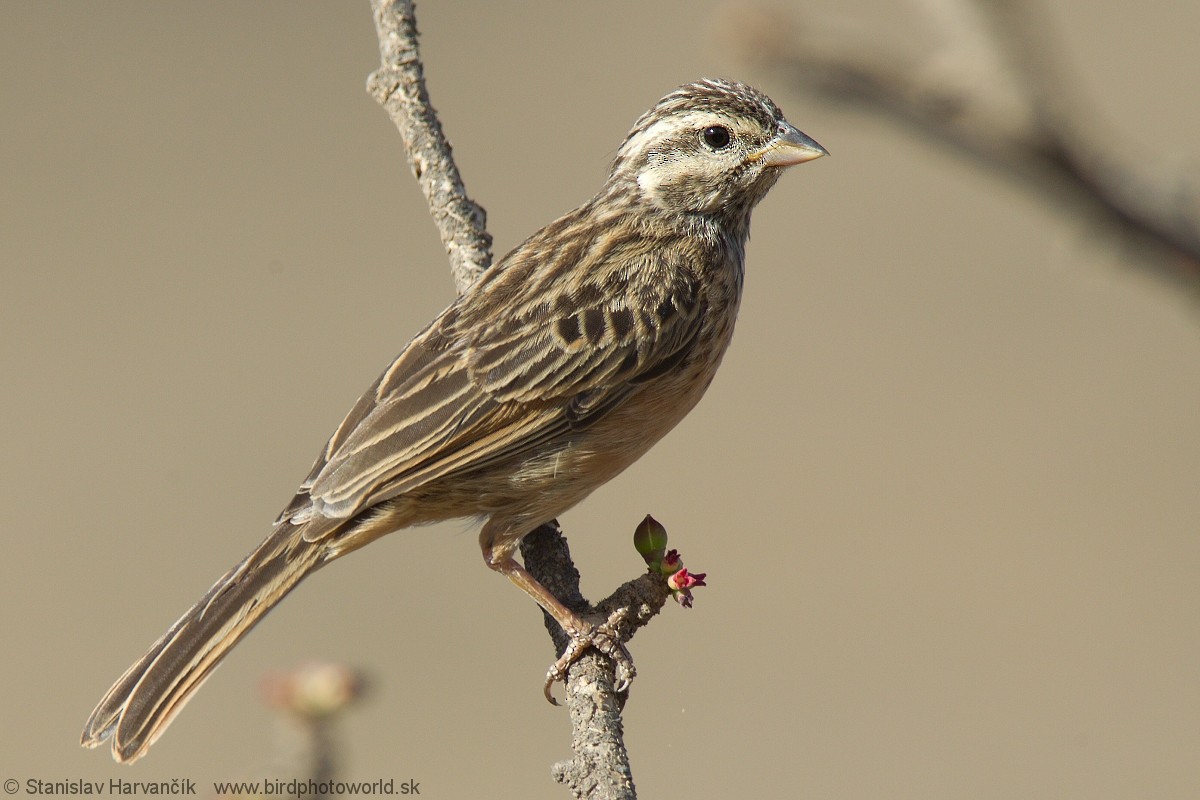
{"points": [[309, 700], [983, 82]]}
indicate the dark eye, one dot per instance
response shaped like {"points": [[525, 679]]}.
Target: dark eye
{"points": [[716, 136]]}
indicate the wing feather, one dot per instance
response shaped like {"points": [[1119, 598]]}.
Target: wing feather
{"points": [[473, 389]]}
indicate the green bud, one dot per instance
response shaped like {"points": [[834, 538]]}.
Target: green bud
{"points": [[650, 539]]}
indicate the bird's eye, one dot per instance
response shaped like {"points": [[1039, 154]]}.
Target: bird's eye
{"points": [[716, 136]]}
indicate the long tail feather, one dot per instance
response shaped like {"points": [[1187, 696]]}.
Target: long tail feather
{"points": [[143, 701]]}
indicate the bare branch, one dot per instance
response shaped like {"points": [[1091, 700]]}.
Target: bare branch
{"points": [[600, 767], [399, 86], [987, 90]]}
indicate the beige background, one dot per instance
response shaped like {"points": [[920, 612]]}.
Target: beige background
{"points": [[945, 487]]}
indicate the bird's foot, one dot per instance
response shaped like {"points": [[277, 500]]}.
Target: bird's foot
{"points": [[604, 638]]}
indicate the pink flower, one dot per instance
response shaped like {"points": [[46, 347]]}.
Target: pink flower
{"points": [[681, 584]]}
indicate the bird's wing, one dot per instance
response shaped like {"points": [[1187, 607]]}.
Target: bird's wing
{"points": [[583, 340], [504, 370]]}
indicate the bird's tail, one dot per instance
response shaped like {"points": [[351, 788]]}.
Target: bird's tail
{"points": [[143, 701]]}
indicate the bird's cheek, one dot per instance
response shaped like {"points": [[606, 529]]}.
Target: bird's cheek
{"points": [[649, 181]]}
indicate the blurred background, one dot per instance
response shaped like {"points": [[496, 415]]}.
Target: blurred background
{"points": [[945, 486]]}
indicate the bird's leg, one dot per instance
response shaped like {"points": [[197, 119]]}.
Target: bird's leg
{"points": [[582, 634]]}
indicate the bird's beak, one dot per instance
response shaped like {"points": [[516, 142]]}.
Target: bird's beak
{"points": [[789, 148]]}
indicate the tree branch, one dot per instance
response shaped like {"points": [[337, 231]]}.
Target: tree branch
{"points": [[600, 767], [399, 86]]}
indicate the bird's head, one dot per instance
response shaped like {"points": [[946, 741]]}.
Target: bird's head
{"points": [[713, 147]]}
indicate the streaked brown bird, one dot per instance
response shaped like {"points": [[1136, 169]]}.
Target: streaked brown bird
{"points": [[558, 368]]}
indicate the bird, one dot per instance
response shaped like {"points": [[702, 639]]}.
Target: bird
{"points": [[556, 369]]}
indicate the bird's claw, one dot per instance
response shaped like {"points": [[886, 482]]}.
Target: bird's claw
{"points": [[604, 638]]}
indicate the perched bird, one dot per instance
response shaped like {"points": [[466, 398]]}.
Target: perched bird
{"points": [[558, 368]]}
